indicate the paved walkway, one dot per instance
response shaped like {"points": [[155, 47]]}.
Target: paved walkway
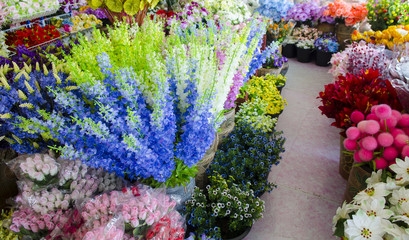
{"points": [[310, 188]]}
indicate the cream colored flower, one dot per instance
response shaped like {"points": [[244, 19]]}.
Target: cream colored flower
{"points": [[399, 196], [375, 191], [364, 227], [401, 168], [376, 208]]}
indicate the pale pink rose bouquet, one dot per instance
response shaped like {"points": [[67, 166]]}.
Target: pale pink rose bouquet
{"points": [[39, 168]]}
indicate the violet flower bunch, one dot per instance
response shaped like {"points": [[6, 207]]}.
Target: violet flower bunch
{"points": [[304, 12], [325, 18], [99, 13], [69, 5], [327, 44], [276, 60]]}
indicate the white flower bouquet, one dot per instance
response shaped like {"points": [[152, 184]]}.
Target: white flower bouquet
{"points": [[306, 44], [233, 11], [22, 10], [381, 210], [41, 169]]}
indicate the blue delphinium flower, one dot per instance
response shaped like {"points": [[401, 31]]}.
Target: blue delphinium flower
{"points": [[275, 9]]}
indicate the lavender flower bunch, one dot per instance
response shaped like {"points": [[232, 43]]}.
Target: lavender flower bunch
{"points": [[192, 13], [325, 18], [69, 5], [304, 12], [327, 44], [99, 13]]}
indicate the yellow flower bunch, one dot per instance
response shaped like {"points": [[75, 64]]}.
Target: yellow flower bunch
{"points": [[278, 80], [390, 37], [5, 220], [84, 21], [259, 87]]}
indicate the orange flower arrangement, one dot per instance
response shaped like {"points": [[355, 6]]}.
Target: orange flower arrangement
{"points": [[347, 13], [279, 31]]}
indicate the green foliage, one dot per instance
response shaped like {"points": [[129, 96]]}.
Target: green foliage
{"points": [[254, 114]]}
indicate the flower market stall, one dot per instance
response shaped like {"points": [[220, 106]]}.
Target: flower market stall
{"points": [[149, 119]]}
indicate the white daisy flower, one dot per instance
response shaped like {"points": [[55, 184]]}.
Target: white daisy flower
{"points": [[401, 168], [399, 196], [375, 191], [374, 178], [376, 208]]}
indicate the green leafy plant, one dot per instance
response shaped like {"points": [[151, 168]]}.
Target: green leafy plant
{"points": [[223, 207], [254, 114]]}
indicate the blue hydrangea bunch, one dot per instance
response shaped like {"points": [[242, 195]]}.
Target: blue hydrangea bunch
{"points": [[248, 155], [275, 9]]}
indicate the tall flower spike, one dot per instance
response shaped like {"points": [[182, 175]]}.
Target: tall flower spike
{"points": [[21, 95], [18, 76], [27, 105], [57, 78], [37, 67], [27, 67], [5, 116], [37, 86], [5, 83], [16, 68], [45, 70], [29, 88]]}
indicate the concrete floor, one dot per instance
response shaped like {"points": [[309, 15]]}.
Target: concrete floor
{"points": [[310, 188]]}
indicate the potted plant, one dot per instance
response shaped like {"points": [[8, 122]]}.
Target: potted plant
{"points": [[279, 80], [346, 16], [248, 155], [305, 48], [223, 210], [259, 87], [325, 47], [273, 64], [385, 13], [380, 210], [279, 31], [255, 114]]}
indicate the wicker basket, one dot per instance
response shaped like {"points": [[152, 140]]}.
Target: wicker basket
{"points": [[346, 160], [227, 126], [201, 177]]}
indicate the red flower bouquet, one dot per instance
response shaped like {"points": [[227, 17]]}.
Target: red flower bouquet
{"points": [[34, 36], [356, 93]]}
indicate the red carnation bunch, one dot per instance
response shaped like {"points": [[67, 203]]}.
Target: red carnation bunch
{"points": [[356, 92], [32, 36]]}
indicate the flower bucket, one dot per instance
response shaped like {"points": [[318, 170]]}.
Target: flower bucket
{"points": [[227, 126], [326, 27], [356, 181], [289, 51], [280, 88], [227, 235], [181, 194], [323, 58], [272, 71], [343, 33], [345, 160], [201, 177], [304, 55]]}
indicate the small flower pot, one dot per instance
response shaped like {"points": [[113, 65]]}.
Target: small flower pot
{"points": [[304, 55], [323, 58], [223, 224], [239, 237], [289, 51]]}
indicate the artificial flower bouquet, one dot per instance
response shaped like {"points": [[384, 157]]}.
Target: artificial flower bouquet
{"points": [[392, 37], [275, 9], [21, 10], [356, 92], [132, 11], [70, 5], [4, 12], [379, 137], [254, 113], [4, 51], [276, 60], [381, 210], [322, 18], [177, 117], [327, 44], [223, 208], [358, 56], [279, 31], [348, 13], [304, 13], [99, 13], [385, 13], [259, 87], [33, 36], [76, 23], [305, 44], [192, 13], [306, 32], [248, 155], [232, 11]]}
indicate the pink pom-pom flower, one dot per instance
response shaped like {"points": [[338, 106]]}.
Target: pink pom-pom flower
{"points": [[365, 155], [404, 121], [369, 143], [381, 163], [353, 133], [385, 139], [357, 116], [390, 153], [350, 145], [371, 127], [383, 111]]}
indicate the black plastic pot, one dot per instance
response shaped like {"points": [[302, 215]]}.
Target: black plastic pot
{"points": [[289, 51], [323, 58], [304, 55], [280, 88], [241, 236]]}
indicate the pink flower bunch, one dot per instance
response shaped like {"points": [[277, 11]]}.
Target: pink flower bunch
{"points": [[238, 82], [71, 170], [380, 137], [4, 12], [139, 208], [167, 228], [39, 168], [339, 64], [306, 33], [43, 201], [364, 56], [28, 222], [105, 233]]}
